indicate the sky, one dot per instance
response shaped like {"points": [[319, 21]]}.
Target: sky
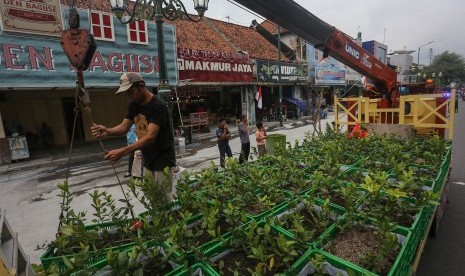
{"points": [[400, 24]]}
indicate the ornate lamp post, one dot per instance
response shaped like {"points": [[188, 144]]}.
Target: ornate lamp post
{"points": [[158, 10]]}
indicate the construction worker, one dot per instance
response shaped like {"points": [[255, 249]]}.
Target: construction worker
{"points": [[369, 92]]}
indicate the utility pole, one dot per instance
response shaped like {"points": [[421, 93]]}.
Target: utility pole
{"points": [[384, 37], [279, 81], [418, 58]]}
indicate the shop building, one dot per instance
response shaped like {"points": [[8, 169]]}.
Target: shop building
{"points": [[37, 83]]}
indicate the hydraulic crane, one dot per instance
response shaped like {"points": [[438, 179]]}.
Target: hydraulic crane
{"points": [[331, 41]]}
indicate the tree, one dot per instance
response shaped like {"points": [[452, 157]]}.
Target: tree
{"points": [[451, 65]]}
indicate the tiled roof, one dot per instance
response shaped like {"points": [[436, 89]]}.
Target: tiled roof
{"points": [[271, 27], [199, 35]]}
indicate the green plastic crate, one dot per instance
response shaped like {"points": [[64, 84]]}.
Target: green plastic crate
{"points": [[221, 248], [443, 172], [50, 257], [266, 213], [288, 233], [334, 262], [275, 141], [194, 270], [190, 255], [401, 266]]}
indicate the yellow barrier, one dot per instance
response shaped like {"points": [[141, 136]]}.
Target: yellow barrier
{"points": [[421, 111]]}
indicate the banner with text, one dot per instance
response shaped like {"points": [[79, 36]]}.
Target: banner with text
{"points": [[40, 62], [213, 66], [329, 76], [31, 16], [268, 71]]}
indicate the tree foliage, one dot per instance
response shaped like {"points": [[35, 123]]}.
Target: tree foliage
{"points": [[451, 65]]}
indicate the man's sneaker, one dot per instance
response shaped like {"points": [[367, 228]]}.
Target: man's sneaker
{"points": [[128, 174]]}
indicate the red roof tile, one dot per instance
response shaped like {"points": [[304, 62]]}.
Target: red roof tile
{"points": [[199, 35], [271, 27]]}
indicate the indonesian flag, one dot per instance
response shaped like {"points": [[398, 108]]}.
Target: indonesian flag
{"points": [[258, 97]]}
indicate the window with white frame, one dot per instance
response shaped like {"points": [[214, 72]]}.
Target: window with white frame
{"points": [[102, 26], [137, 32]]}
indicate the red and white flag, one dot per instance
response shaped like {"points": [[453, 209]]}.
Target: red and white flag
{"points": [[258, 97]]}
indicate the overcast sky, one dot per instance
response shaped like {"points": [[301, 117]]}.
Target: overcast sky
{"points": [[401, 24]]}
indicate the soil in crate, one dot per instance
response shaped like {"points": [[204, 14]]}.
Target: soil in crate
{"points": [[333, 196], [105, 241], [308, 222], [357, 177], [357, 242], [294, 188], [154, 270], [254, 209], [205, 236], [118, 240], [238, 261], [404, 219]]}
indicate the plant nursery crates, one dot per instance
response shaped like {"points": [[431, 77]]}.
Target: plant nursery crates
{"points": [[401, 265], [198, 269], [95, 257]]}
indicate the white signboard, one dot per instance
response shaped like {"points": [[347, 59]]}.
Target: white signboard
{"points": [[18, 148], [31, 16]]}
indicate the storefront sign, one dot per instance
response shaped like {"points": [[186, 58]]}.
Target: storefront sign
{"points": [[329, 76], [31, 16], [38, 62], [213, 66], [268, 71]]}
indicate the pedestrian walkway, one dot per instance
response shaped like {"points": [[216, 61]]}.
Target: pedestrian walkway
{"points": [[81, 151]]}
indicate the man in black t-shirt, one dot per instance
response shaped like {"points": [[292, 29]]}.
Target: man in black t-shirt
{"points": [[156, 141]]}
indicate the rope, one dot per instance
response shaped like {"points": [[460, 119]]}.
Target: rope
{"points": [[78, 99], [89, 113]]}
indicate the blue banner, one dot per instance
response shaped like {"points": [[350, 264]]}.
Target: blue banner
{"points": [[329, 76], [40, 62]]}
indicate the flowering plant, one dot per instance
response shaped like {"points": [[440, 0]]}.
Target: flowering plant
{"points": [[358, 132]]}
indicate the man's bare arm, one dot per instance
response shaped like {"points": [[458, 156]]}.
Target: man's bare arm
{"points": [[116, 154], [100, 131]]}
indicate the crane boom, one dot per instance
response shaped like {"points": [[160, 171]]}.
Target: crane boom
{"points": [[333, 42]]}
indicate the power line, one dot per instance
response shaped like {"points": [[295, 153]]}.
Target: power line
{"points": [[247, 10], [261, 17]]}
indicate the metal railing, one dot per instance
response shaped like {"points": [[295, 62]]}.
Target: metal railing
{"points": [[427, 111]]}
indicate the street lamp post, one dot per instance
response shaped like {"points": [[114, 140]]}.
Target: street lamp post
{"points": [[280, 86], [158, 10], [418, 58]]}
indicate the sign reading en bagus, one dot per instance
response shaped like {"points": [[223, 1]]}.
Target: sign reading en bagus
{"points": [[40, 62]]}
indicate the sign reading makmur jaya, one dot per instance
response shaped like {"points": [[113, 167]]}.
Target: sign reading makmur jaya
{"points": [[214, 66], [31, 16]]}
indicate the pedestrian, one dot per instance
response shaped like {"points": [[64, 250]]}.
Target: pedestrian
{"points": [[155, 139], [223, 135], [243, 129], [46, 134], [260, 136], [131, 138]]}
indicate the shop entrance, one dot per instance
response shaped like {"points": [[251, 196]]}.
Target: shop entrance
{"points": [[68, 110]]}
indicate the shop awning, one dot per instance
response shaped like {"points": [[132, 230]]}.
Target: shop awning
{"points": [[303, 105]]}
